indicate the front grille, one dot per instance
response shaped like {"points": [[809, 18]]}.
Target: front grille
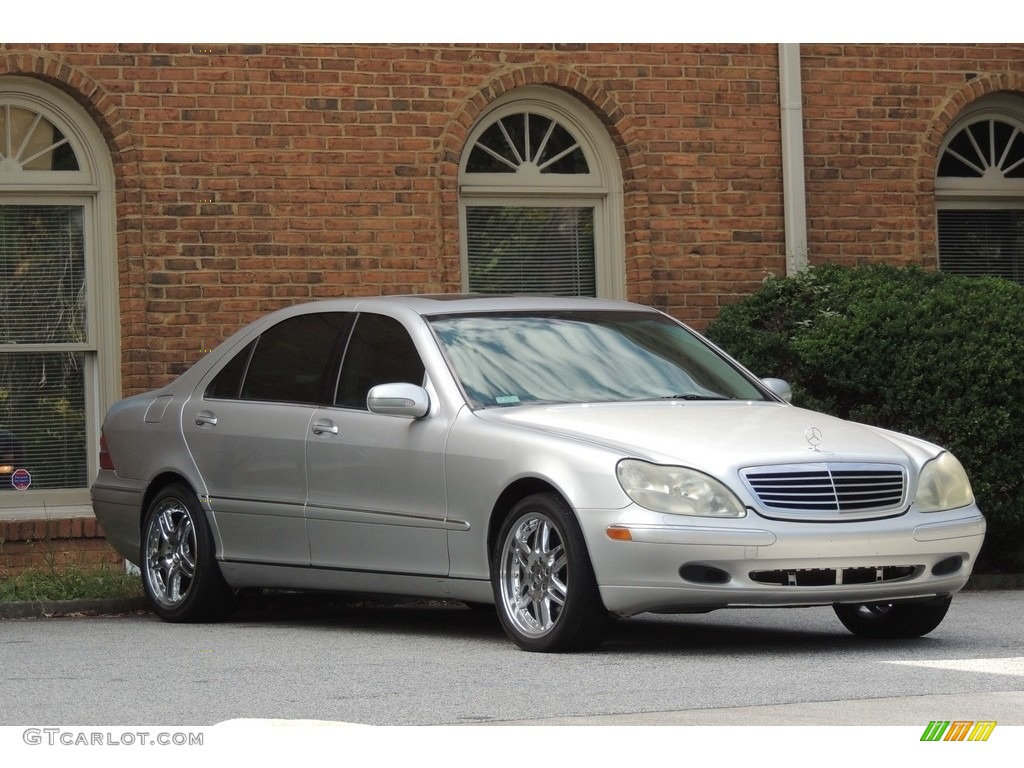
{"points": [[827, 577], [829, 489]]}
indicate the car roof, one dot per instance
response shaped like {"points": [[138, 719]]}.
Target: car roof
{"points": [[443, 304], [461, 303]]}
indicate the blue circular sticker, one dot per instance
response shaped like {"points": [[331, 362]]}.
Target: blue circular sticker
{"points": [[21, 479]]}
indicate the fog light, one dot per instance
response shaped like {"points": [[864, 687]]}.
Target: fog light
{"points": [[947, 566], [704, 574]]}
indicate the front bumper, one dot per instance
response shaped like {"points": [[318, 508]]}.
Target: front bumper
{"points": [[673, 564]]}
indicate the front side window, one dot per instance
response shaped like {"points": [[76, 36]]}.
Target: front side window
{"points": [[979, 191], [380, 351]]}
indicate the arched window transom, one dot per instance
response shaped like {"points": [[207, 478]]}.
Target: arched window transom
{"points": [[30, 142], [990, 148], [527, 143]]}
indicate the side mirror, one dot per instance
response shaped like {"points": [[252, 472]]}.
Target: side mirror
{"points": [[398, 400], [780, 388]]}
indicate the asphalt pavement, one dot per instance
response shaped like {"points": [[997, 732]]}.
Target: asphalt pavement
{"points": [[113, 606]]}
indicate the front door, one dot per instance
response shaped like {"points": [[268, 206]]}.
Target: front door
{"points": [[376, 498]]}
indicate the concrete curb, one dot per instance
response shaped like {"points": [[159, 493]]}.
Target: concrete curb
{"points": [[37, 609]]}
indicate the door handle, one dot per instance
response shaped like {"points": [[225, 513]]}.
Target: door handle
{"points": [[323, 426], [206, 417]]}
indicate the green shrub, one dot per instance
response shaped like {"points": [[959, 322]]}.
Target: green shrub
{"points": [[933, 355]]}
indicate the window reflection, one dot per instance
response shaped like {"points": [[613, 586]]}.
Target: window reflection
{"points": [[505, 360]]}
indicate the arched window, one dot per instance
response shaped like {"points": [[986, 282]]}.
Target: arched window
{"points": [[979, 191], [540, 200], [58, 297]]}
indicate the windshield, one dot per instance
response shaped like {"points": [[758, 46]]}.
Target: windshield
{"points": [[584, 357]]}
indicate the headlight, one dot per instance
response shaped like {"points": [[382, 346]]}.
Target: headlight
{"points": [[676, 490], [943, 485]]}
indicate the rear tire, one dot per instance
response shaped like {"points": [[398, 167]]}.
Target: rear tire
{"points": [[893, 620], [179, 571], [545, 592]]}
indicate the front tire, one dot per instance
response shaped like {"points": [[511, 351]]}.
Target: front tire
{"points": [[544, 587], [179, 571], [889, 621]]}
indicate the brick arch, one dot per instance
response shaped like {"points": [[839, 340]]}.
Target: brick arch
{"points": [[105, 112], [948, 112], [91, 96], [632, 161]]}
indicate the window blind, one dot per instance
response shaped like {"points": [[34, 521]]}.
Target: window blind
{"points": [[538, 250], [42, 390], [982, 242], [42, 418], [42, 274]]}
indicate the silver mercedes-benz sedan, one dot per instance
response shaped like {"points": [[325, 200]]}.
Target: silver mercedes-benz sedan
{"points": [[568, 460]]}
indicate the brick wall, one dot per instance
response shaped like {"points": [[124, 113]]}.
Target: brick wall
{"points": [[42, 544], [875, 117], [250, 177]]}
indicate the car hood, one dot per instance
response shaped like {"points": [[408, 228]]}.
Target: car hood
{"points": [[718, 436]]}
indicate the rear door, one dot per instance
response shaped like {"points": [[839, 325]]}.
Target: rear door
{"points": [[246, 426]]}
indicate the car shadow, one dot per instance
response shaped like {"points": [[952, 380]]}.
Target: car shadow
{"points": [[721, 633], [723, 636], [410, 616]]}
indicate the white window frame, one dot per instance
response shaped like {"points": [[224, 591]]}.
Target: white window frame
{"points": [[955, 190], [601, 188], [92, 187], [989, 192]]}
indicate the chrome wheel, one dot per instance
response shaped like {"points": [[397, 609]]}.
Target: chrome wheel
{"points": [[170, 560], [534, 575], [179, 570], [544, 587]]}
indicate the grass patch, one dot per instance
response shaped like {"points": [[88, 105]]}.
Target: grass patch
{"points": [[71, 583]]}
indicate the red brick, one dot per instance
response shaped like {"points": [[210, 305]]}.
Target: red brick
{"points": [[241, 167]]}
